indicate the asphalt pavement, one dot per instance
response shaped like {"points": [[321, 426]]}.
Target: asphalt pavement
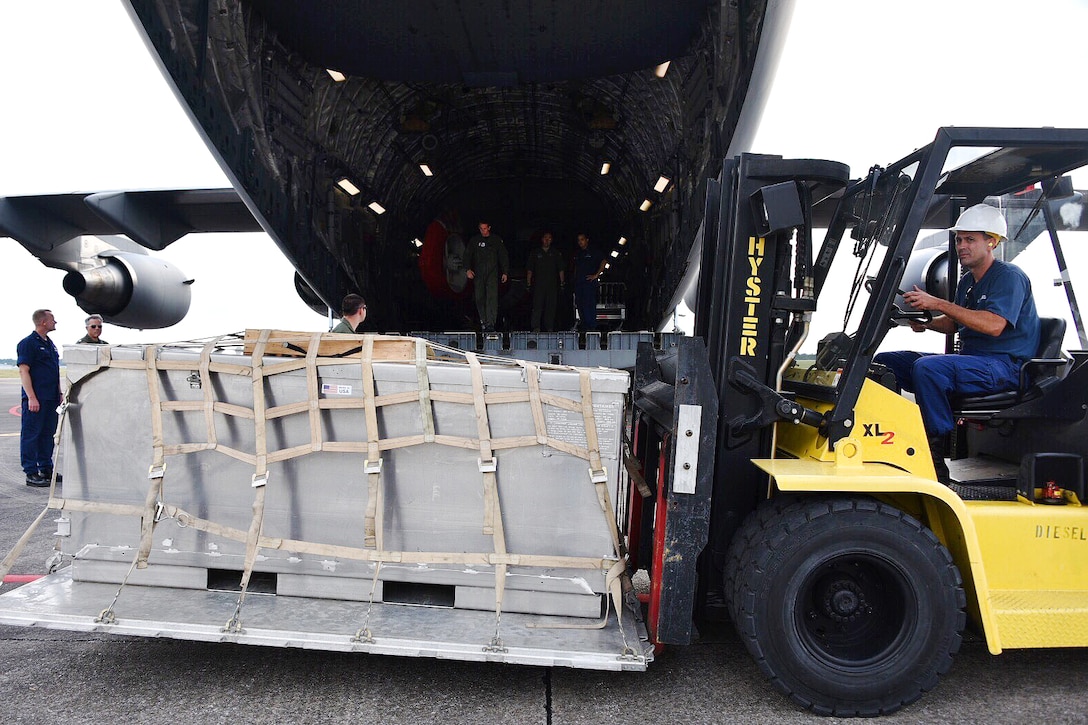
{"points": [[50, 676]]}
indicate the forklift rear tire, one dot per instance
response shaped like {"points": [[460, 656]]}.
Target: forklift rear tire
{"points": [[849, 605]]}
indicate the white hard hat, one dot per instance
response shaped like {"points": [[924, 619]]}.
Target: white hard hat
{"points": [[982, 218]]}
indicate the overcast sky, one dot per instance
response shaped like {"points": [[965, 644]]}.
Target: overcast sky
{"points": [[84, 108]]}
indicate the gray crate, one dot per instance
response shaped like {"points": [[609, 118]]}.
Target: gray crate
{"points": [[543, 340], [669, 340], [432, 494], [457, 340], [618, 340]]}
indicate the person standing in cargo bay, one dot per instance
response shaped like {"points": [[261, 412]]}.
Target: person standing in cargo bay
{"points": [[545, 269], [588, 266], [39, 372], [487, 263]]}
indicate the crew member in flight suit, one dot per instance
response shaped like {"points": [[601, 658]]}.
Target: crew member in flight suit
{"points": [[487, 263], [545, 269]]}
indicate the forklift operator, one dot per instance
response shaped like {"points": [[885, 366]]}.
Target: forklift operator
{"points": [[994, 314]]}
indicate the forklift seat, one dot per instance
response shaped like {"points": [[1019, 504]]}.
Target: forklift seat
{"points": [[1037, 375]]}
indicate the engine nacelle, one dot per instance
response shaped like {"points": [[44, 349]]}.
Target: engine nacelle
{"points": [[926, 269], [132, 290]]}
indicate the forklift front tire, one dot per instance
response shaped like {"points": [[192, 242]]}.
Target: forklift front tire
{"points": [[849, 605]]}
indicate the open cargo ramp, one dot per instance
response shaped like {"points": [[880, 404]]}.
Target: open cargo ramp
{"points": [[56, 602]]}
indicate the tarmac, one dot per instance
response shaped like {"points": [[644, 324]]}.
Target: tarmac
{"points": [[50, 676]]}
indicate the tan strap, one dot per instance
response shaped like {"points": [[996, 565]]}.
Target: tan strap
{"points": [[186, 519], [260, 475], [206, 387], [489, 468], [158, 462], [313, 390], [532, 381], [597, 473], [372, 466], [426, 412]]}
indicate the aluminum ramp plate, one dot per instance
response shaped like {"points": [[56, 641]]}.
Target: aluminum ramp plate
{"points": [[56, 602]]}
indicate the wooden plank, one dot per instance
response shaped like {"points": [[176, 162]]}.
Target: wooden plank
{"points": [[285, 343]]}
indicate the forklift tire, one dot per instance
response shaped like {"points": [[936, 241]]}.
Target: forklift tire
{"points": [[850, 606], [750, 529]]}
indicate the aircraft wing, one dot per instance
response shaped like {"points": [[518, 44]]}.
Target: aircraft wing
{"points": [[101, 241], [152, 219]]}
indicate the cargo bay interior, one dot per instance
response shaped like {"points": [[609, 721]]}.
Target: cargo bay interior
{"points": [[349, 145]]}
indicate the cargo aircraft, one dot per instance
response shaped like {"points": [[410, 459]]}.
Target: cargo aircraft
{"points": [[369, 139]]}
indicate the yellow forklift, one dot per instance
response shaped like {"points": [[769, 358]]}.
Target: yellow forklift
{"points": [[848, 570]]}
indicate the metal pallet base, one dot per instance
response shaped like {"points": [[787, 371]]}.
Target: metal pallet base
{"points": [[56, 602]]}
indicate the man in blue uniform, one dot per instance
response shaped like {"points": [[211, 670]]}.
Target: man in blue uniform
{"points": [[588, 266], [39, 372], [994, 314]]}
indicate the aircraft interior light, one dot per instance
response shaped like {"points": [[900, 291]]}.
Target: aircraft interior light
{"points": [[376, 207], [646, 204], [426, 170], [608, 265], [662, 69], [417, 243], [605, 168], [623, 240], [662, 184], [345, 184], [615, 253], [336, 75]]}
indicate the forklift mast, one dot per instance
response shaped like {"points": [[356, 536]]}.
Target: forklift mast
{"points": [[756, 297]]}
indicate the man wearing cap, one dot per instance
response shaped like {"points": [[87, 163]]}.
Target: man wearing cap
{"points": [[994, 314]]}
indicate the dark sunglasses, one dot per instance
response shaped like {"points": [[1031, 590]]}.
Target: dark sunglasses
{"points": [[95, 327]]}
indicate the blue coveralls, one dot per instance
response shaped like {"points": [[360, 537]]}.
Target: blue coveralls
{"points": [[586, 263], [985, 364]]}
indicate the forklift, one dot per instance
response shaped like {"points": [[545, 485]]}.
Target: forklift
{"points": [[797, 492]]}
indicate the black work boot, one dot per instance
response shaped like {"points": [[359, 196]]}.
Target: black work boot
{"points": [[36, 480], [938, 448]]}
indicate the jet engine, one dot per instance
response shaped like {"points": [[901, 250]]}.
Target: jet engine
{"points": [[132, 290], [926, 269]]}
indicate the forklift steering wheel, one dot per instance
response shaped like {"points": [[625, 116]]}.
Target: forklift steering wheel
{"points": [[899, 316]]}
